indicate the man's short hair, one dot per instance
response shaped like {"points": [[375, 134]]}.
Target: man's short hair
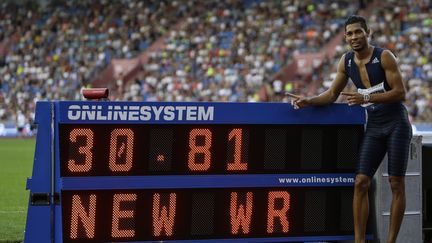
{"points": [[357, 19]]}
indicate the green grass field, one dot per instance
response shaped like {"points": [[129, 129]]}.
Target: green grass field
{"points": [[16, 161]]}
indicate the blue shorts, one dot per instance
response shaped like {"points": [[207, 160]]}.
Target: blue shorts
{"points": [[392, 136]]}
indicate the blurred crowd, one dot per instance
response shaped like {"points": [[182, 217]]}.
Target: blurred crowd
{"points": [[410, 37], [228, 50], [54, 48]]}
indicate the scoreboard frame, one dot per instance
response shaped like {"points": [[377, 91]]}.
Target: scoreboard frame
{"points": [[49, 182]]}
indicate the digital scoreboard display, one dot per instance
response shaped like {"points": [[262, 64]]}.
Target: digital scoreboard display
{"points": [[221, 213], [140, 150], [137, 172]]}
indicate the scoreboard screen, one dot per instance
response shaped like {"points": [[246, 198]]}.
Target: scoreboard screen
{"points": [[221, 213], [142, 150], [262, 172]]}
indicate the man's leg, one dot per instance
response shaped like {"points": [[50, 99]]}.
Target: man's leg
{"points": [[397, 210], [361, 206]]}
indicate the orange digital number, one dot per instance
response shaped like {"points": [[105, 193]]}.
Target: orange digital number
{"points": [[195, 149], [122, 150], [86, 150], [238, 164]]}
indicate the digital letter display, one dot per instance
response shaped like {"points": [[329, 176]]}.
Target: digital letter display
{"points": [[179, 214]]}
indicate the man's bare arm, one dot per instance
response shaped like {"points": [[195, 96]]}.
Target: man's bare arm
{"points": [[337, 85], [394, 79]]}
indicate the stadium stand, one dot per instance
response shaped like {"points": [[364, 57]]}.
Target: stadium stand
{"points": [[55, 49], [233, 50]]}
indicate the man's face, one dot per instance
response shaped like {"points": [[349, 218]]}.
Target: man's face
{"points": [[356, 36]]}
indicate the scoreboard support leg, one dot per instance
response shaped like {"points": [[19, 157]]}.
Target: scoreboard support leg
{"points": [[39, 227]]}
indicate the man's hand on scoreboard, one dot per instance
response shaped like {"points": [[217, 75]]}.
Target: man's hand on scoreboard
{"points": [[297, 101]]}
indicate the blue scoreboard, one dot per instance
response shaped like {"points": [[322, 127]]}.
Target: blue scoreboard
{"points": [[220, 172]]}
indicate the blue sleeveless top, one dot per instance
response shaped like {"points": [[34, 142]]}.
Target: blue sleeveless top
{"points": [[377, 78]]}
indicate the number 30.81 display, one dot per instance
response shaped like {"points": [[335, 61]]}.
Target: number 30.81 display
{"points": [[103, 150], [128, 151]]}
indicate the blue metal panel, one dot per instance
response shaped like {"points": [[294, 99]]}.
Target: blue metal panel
{"points": [[57, 227], [206, 113], [207, 181], [38, 225]]}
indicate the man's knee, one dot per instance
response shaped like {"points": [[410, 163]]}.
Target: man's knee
{"points": [[397, 184], [362, 183]]}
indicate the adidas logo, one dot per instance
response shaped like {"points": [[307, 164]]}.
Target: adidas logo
{"points": [[375, 60]]}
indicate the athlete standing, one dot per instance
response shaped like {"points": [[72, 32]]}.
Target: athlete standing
{"points": [[375, 73]]}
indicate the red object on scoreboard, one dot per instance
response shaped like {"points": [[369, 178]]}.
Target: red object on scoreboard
{"points": [[95, 93]]}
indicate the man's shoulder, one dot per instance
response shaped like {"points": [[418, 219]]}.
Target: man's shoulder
{"points": [[381, 51], [348, 58], [348, 54]]}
